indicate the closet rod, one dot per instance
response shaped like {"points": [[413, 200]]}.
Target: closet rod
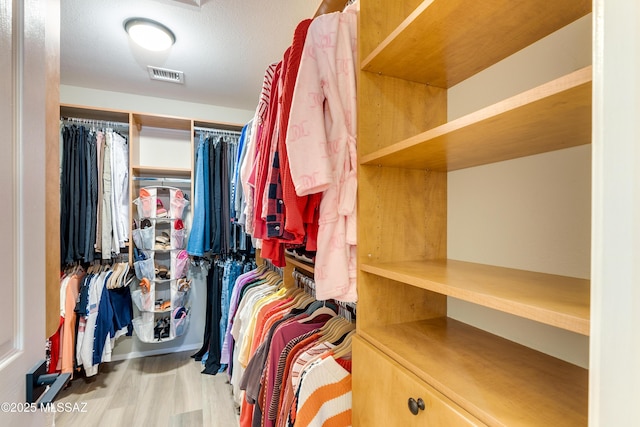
{"points": [[104, 123], [218, 131], [309, 285], [272, 267], [162, 179]]}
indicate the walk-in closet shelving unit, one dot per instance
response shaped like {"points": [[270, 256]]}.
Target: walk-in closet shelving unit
{"points": [[161, 156], [411, 52]]}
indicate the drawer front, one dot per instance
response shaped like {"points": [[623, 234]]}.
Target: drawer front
{"points": [[382, 389]]}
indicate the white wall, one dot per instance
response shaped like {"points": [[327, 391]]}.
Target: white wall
{"points": [[531, 213], [151, 105], [168, 148]]}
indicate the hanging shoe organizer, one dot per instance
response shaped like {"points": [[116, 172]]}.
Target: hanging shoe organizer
{"points": [[162, 289]]}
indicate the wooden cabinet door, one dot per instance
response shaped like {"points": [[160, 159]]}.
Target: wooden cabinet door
{"points": [[382, 389]]}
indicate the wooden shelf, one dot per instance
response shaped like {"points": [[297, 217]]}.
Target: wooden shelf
{"points": [[217, 125], [550, 117], [155, 171], [478, 370], [443, 42], [299, 264], [80, 112], [158, 121], [558, 301]]}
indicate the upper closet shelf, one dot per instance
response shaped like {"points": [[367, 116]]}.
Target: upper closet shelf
{"points": [[299, 264], [155, 171], [550, 117], [558, 301], [443, 42], [80, 112], [165, 122]]}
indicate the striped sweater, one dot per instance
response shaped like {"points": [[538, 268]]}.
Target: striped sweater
{"points": [[324, 396]]}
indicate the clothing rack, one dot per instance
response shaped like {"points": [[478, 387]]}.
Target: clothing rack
{"points": [[163, 180], [94, 122], [222, 132], [345, 309], [272, 267], [305, 282]]}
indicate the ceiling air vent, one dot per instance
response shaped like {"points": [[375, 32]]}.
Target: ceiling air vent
{"points": [[165, 75]]}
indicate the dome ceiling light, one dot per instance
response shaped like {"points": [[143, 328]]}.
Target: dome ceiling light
{"points": [[149, 34]]}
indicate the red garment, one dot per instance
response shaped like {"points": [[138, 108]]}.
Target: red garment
{"points": [[299, 218], [246, 414], [262, 160], [297, 209], [345, 363], [54, 351]]}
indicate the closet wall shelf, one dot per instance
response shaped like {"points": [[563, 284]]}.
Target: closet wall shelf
{"points": [[476, 370], [299, 264], [155, 171], [411, 52], [89, 113], [550, 117], [217, 125], [163, 219], [443, 42], [558, 301], [158, 121]]}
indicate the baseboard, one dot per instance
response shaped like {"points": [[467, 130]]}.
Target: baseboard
{"points": [[166, 350]]}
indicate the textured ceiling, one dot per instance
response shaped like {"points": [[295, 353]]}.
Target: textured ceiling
{"points": [[222, 46]]}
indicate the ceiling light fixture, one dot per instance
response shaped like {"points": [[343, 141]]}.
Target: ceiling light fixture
{"points": [[149, 34]]}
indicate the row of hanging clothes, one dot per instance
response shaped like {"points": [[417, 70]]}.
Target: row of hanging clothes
{"points": [[282, 346], [95, 310], [299, 171], [221, 278], [94, 189], [214, 229]]}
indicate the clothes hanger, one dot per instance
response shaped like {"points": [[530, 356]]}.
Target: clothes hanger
{"points": [[91, 268], [114, 274], [344, 348], [330, 328], [303, 300], [124, 269], [274, 280], [336, 335], [330, 325], [318, 311], [292, 291]]}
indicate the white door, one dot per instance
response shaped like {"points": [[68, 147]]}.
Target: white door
{"points": [[23, 89], [614, 372]]}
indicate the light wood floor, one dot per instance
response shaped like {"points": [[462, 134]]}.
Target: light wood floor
{"points": [[166, 390]]}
